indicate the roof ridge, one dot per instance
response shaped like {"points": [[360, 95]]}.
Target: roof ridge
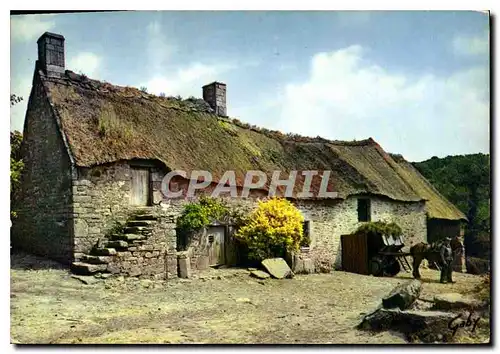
{"points": [[194, 104]]}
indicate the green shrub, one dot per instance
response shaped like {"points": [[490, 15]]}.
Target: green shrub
{"points": [[380, 227], [197, 215]]}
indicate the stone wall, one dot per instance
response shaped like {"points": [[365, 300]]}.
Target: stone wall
{"points": [[102, 202], [102, 197], [332, 219], [44, 205], [155, 256], [196, 249]]}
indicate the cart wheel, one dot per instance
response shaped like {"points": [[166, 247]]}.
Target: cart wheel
{"points": [[376, 266], [392, 267]]}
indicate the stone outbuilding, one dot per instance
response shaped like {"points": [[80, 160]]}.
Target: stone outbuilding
{"points": [[95, 155]]}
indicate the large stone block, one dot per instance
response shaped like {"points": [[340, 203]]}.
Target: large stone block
{"points": [[277, 267], [184, 268], [202, 263], [86, 268]]}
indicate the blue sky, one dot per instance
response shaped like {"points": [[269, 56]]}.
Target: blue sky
{"points": [[417, 82]]}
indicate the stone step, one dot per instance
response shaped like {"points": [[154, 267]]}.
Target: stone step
{"points": [[117, 244], [128, 237], [96, 259], [145, 217], [137, 230], [83, 268], [133, 223], [103, 252]]}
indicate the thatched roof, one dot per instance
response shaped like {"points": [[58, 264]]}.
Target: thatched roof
{"points": [[437, 205], [104, 123]]}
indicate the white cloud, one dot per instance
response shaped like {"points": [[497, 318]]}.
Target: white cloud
{"points": [[187, 81], [85, 62], [348, 97], [158, 49], [29, 27], [471, 45]]}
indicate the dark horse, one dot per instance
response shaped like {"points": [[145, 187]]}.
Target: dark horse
{"points": [[423, 250]]}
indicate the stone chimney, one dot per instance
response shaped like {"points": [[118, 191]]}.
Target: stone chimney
{"points": [[215, 95], [51, 54]]}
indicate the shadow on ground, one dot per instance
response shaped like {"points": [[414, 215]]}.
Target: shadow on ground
{"points": [[25, 261]]}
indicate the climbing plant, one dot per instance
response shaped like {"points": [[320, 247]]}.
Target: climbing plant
{"points": [[273, 227], [199, 214]]}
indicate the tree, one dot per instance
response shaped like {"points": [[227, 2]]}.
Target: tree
{"points": [[16, 163], [465, 181], [15, 99], [272, 228]]}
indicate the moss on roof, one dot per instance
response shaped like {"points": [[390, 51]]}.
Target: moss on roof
{"points": [[437, 205], [104, 123]]}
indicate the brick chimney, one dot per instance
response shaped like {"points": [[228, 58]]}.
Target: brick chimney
{"points": [[51, 54], [215, 95]]}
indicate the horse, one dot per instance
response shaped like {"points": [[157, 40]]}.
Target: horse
{"points": [[422, 250]]}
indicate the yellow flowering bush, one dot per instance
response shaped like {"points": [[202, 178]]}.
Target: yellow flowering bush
{"points": [[271, 228]]}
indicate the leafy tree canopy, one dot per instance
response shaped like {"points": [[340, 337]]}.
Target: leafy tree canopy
{"points": [[465, 181]]}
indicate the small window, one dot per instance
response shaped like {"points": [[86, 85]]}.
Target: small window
{"points": [[364, 210], [306, 234], [305, 228]]}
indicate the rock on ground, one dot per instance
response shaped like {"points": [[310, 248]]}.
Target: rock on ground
{"points": [[259, 274], [455, 301], [403, 295], [427, 326], [86, 279], [277, 267]]}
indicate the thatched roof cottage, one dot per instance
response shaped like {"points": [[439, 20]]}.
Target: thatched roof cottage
{"points": [[94, 153]]}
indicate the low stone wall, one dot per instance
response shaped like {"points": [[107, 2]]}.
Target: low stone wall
{"points": [[156, 256], [194, 256], [146, 247], [197, 250]]}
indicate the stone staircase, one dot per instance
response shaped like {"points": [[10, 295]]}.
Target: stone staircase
{"points": [[134, 233]]}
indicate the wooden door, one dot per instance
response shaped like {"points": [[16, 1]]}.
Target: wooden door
{"points": [[216, 238], [139, 193], [355, 254]]}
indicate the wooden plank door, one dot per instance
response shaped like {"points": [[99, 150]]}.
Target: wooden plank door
{"points": [[216, 239], [355, 253], [139, 193]]}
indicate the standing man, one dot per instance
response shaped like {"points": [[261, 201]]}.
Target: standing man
{"points": [[458, 254], [446, 258]]}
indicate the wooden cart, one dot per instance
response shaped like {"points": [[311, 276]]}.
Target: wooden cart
{"points": [[375, 254], [389, 259]]}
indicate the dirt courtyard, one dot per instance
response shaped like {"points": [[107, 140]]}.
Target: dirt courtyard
{"points": [[220, 306]]}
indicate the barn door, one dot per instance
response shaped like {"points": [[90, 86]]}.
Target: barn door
{"points": [[139, 194], [216, 239], [355, 253]]}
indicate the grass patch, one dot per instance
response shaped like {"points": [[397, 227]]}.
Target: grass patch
{"points": [[110, 125]]}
